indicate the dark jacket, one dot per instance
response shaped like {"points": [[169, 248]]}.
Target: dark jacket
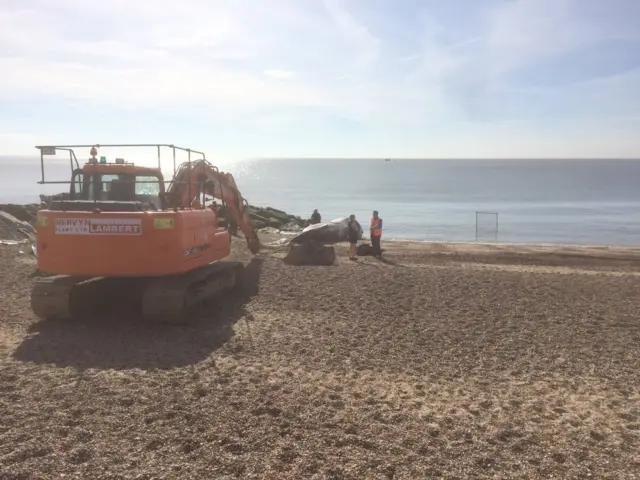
{"points": [[354, 230]]}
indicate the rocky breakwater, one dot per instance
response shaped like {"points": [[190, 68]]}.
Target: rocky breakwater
{"points": [[16, 221], [268, 217]]}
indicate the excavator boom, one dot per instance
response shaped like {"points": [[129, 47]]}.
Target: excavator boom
{"points": [[193, 179]]}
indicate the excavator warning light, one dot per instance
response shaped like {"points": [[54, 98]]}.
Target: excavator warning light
{"points": [[103, 159], [120, 161]]}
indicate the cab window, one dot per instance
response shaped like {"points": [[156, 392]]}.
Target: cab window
{"points": [[99, 186], [76, 185], [121, 187], [150, 188]]}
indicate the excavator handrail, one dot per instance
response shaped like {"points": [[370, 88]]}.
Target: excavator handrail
{"points": [[123, 145], [46, 150]]}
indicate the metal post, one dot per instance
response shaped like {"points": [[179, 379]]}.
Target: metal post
{"points": [[42, 165], [189, 160], [73, 155], [159, 166], [174, 160], [476, 227]]}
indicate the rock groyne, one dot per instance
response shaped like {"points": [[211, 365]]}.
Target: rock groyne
{"points": [[261, 217]]}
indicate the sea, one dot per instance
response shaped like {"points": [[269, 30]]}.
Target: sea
{"points": [[570, 202]]}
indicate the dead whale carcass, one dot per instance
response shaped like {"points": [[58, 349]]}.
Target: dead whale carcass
{"points": [[310, 246], [334, 231]]}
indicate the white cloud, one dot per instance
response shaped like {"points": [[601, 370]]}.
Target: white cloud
{"points": [[15, 143], [280, 74], [151, 84], [146, 69], [276, 64], [358, 35]]}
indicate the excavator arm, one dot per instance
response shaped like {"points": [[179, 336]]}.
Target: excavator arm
{"points": [[193, 179]]}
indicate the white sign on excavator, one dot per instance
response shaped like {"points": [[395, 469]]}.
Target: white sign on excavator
{"points": [[48, 150], [98, 226]]}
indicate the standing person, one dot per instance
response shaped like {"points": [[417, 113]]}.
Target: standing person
{"points": [[376, 233], [353, 232], [315, 217]]}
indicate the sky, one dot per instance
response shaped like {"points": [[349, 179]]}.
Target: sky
{"points": [[325, 78]]}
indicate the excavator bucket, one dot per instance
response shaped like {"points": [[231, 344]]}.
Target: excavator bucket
{"points": [[254, 245]]}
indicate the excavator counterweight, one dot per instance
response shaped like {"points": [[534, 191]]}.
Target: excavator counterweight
{"points": [[120, 236]]}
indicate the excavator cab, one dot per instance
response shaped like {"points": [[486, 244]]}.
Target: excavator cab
{"points": [[115, 183]]}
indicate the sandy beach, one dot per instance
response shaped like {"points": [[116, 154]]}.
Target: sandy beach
{"points": [[441, 361]]}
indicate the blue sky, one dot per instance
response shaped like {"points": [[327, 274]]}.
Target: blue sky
{"points": [[325, 78]]}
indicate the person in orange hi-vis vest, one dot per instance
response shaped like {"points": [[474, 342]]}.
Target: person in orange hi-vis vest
{"points": [[376, 233]]}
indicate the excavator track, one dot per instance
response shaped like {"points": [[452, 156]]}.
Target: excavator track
{"points": [[173, 299], [170, 299], [65, 297]]}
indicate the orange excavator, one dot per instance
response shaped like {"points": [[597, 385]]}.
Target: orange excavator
{"points": [[119, 232]]}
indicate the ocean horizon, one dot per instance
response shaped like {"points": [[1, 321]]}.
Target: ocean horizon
{"points": [[568, 201]]}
